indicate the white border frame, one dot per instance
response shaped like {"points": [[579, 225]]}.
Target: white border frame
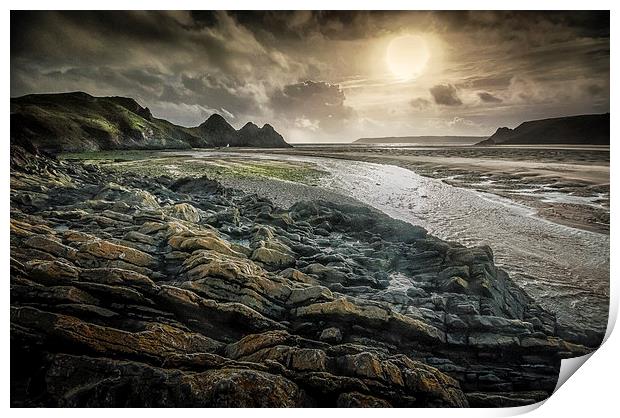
{"points": [[592, 391]]}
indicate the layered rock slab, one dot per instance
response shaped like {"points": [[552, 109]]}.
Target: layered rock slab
{"points": [[128, 291]]}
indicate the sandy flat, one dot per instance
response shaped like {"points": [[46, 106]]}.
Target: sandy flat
{"points": [[591, 173], [568, 185]]}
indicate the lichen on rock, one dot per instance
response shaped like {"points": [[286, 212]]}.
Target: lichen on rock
{"points": [[136, 291]]}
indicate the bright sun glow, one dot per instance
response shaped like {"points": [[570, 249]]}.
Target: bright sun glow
{"points": [[407, 56]]}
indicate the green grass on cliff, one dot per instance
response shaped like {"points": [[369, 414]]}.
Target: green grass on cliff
{"points": [[79, 121], [155, 164]]}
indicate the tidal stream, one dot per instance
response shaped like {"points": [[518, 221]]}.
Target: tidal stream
{"points": [[565, 269]]}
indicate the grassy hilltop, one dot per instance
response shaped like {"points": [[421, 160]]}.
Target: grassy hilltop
{"points": [[72, 122]]}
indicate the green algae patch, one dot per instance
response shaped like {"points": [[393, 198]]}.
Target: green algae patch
{"points": [[109, 156], [156, 163]]}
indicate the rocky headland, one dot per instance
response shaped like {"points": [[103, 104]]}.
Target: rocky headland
{"points": [[130, 290], [77, 121], [580, 129]]}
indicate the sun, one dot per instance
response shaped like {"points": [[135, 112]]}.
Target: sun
{"points": [[407, 56]]}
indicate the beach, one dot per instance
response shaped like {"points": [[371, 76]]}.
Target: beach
{"points": [[190, 274]]}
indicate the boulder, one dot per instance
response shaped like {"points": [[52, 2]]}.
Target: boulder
{"points": [[273, 258], [113, 383], [331, 335], [185, 212]]}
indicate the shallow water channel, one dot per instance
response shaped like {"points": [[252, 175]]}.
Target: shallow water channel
{"points": [[565, 269]]}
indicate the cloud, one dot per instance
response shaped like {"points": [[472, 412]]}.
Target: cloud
{"points": [[460, 122], [318, 101], [420, 103], [459, 125], [596, 90], [304, 123], [446, 95], [488, 97], [186, 65], [210, 61], [220, 92], [526, 90]]}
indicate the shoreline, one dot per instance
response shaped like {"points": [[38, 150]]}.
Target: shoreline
{"points": [[559, 179], [270, 177], [215, 284], [512, 257]]}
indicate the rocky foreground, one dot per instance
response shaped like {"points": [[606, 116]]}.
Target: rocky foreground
{"points": [[131, 291]]}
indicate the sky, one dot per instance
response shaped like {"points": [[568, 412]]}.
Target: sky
{"points": [[325, 76]]}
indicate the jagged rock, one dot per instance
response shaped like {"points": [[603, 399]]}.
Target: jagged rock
{"points": [[189, 241], [230, 301], [97, 253], [456, 285], [272, 258], [73, 381], [326, 274], [252, 343], [211, 263], [505, 400], [53, 295], [117, 276], [51, 245], [52, 272], [55, 123], [226, 320], [487, 340], [371, 317], [230, 216], [185, 211], [115, 192], [305, 295], [297, 276], [404, 381], [331, 335], [360, 400], [155, 341]]}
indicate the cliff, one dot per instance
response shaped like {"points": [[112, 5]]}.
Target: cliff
{"points": [[73, 122], [581, 130]]}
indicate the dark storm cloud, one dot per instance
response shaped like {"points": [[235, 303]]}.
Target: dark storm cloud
{"points": [[313, 101], [195, 61], [446, 95], [420, 103], [318, 94], [248, 65], [488, 97], [207, 89], [333, 25], [595, 89], [84, 37], [341, 25], [140, 82], [592, 24]]}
